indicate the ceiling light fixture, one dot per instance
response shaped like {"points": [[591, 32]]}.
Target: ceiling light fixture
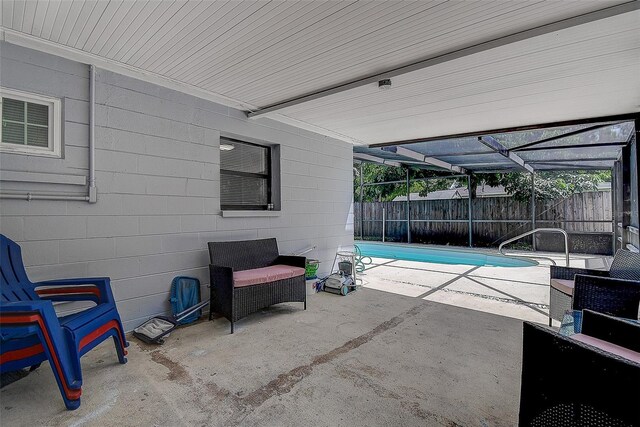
{"points": [[384, 84], [226, 147]]}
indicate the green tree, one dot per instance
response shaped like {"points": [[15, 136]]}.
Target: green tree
{"points": [[383, 193], [549, 184]]}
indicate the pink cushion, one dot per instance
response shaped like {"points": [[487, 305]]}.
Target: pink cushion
{"points": [[265, 275], [607, 346], [564, 286]]}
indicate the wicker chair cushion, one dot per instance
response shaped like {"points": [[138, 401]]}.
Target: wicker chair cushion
{"points": [[608, 347], [265, 275], [564, 286], [625, 265]]}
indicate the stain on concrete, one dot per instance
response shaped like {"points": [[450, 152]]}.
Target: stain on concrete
{"points": [[429, 417], [362, 378], [412, 392], [143, 346], [362, 375], [176, 371], [363, 381], [367, 369], [285, 382]]}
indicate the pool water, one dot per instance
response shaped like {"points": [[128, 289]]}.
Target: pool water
{"points": [[441, 255]]}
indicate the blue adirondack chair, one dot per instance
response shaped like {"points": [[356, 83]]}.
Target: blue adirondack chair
{"points": [[30, 331]]}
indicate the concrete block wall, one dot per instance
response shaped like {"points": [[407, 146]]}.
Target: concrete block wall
{"points": [[157, 173]]}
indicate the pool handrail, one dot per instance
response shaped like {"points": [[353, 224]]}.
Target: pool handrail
{"points": [[534, 231]]}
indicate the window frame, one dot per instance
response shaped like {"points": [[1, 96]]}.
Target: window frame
{"points": [[268, 176], [54, 146]]}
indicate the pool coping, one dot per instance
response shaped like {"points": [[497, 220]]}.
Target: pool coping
{"points": [[485, 251], [492, 251]]}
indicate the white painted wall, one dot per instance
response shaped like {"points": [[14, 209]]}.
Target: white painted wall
{"points": [[157, 164]]}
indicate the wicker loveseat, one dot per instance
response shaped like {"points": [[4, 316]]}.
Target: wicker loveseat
{"points": [[615, 292], [249, 275]]}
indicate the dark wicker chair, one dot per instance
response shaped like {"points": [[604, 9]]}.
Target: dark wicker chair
{"points": [[614, 292], [233, 302], [569, 383]]}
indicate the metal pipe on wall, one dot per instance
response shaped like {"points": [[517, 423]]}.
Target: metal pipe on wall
{"points": [[93, 193], [43, 196]]}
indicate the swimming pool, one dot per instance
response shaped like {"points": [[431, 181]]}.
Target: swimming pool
{"points": [[441, 255]]}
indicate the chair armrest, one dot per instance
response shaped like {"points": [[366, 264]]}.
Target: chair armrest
{"points": [[97, 289], [223, 274], [293, 261], [568, 273], [26, 306], [221, 281], [611, 329], [615, 297]]}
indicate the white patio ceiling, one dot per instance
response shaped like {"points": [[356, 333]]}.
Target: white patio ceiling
{"points": [[254, 54]]}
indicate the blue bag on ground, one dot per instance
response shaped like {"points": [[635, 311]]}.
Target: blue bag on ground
{"points": [[185, 293]]}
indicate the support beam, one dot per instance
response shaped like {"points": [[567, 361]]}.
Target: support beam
{"points": [[370, 184], [481, 165], [582, 159], [470, 210], [563, 123], [564, 135], [422, 163], [361, 203], [493, 143], [571, 147], [533, 210], [408, 209], [374, 159], [565, 167], [614, 215], [405, 152], [453, 55]]}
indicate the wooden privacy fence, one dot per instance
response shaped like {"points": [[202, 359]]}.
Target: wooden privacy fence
{"points": [[494, 218]]}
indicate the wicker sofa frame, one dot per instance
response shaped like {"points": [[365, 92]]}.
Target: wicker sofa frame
{"points": [[597, 290], [569, 383], [234, 303]]}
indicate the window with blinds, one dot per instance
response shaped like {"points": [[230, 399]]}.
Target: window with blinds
{"points": [[27, 123], [245, 175]]}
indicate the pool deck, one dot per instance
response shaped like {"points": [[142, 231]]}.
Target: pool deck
{"points": [[516, 292]]}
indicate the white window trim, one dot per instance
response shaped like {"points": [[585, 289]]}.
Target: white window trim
{"points": [[55, 124]]}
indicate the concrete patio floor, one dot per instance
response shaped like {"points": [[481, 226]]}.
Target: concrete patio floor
{"points": [[517, 292], [370, 358]]}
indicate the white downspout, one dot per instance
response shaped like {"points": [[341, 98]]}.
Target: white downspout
{"points": [[93, 191]]}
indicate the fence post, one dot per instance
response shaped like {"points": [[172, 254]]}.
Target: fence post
{"points": [[384, 221], [614, 225], [533, 209], [361, 204], [470, 212], [408, 210]]}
